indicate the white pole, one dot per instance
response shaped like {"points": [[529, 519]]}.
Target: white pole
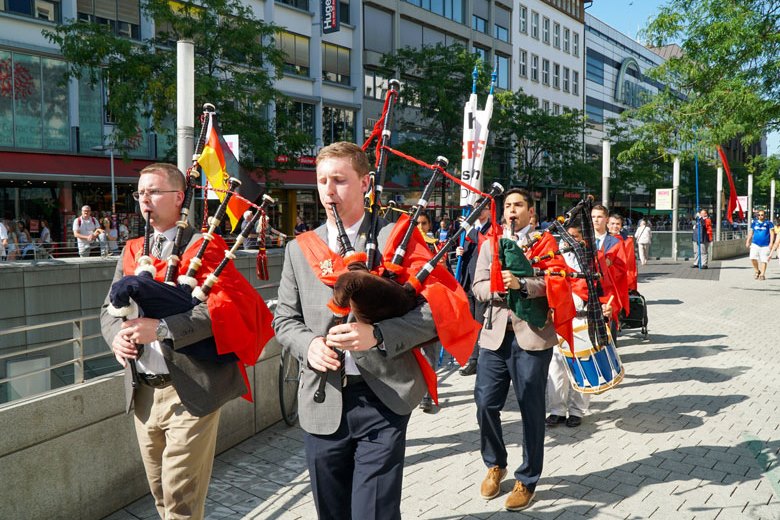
{"points": [[718, 204], [772, 191], [605, 164], [750, 198], [185, 105], [113, 185], [675, 205]]}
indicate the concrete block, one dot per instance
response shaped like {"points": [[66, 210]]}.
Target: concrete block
{"points": [[49, 275], [12, 305], [52, 298], [11, 341]]}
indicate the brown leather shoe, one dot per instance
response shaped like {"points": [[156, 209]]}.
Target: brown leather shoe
{"points": [[491, 486], [520, 498]]}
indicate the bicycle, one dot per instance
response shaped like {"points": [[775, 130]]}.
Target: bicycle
{"points": [[289, 376]]}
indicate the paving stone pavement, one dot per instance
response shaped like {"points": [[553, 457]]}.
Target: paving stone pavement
{"points": [[693, 431]]}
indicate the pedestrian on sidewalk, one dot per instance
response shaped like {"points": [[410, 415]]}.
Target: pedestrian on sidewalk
{"points": [[512, 351], [355, 439], [760, 240], [644, 238], [702, 236]]}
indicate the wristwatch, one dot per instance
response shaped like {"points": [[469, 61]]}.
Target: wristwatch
{"points": [[523, 284], [162, 331], [378, 337]]}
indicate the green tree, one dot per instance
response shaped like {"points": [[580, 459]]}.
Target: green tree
{"points": [[547, 148], [724, 84], [236, 63], [436, 83]]}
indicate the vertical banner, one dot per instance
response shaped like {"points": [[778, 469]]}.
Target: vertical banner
{"points": [[329, 13]]}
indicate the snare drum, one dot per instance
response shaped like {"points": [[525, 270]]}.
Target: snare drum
{"points": [[591, 370]]}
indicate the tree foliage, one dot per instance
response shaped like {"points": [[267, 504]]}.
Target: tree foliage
{"points": [[724, 84], [236, 63], [547, 148]]}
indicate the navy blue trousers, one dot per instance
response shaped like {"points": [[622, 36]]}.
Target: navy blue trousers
{"points": [[357, 472], [527, 371]]}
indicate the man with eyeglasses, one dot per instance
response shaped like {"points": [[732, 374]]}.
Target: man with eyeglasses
{"points": [[181, 383], [760, 240]]}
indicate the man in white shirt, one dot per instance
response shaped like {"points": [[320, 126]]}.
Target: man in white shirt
{"points": [[86, 230], [3, 240]]}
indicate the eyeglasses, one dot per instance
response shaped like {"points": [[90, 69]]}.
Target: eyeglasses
{"points": [[761, 215], [138, 195]]}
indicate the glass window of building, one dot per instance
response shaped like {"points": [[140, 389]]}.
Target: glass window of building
{"points": [[557, 35], [534, 67], [566, 39], [566, 77], [34, 102], [122, 16], [522, 61], [534, 25], [344, 11], [380, 37], [575, 46], [296, 114], [298, 4], [545, 72], [451, 9], [41, 9], [478, 23], [556, 109], [575, 82], [546, 106], [594, 70], [376, 85], [335, 63], [556, 75], [338, 124], [502, 19], [432, 37], [411, 34], [594, 114], [502, 67], [522, 23], [546, 30], [482, 53], [296, 52]]}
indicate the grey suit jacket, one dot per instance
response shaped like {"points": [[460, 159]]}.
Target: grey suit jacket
{"points": [[302, 315], [203, 386], [528, 336]]}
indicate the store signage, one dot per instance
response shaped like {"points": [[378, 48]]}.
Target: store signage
{"points": [[304, 160], [626, 91], [663, 199], [330, 16]]}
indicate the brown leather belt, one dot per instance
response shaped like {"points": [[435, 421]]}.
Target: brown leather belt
{"points": [[155, 380]]}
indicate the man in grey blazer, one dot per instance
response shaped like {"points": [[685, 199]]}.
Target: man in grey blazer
{"points": [[178, 399], [511, 350], [355, 439]]}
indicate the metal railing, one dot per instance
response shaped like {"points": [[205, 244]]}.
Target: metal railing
{"points": [[58, 374]]}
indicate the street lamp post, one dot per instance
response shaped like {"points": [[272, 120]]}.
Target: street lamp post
{"points": [[110, 149]]}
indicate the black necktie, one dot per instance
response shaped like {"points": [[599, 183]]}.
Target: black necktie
{"points": [[159, 243]]}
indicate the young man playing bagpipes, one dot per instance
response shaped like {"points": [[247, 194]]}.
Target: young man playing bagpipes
{"points": [[355, 437], [512, 350]]}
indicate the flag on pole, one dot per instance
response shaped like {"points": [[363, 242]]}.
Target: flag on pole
{"points": [[475, 135], [215, 160], [733, 200]]}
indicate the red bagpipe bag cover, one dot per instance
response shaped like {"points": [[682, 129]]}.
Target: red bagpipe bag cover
{"points": [[240, 319], [628, 244], [617, 264], [558, 288]]}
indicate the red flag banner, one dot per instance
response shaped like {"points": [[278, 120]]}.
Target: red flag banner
{"points": [[733, 201]]}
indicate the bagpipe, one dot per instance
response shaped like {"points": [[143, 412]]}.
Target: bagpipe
{"points": [[378, 286], [143, 292]]}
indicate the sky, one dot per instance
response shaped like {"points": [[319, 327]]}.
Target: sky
{"points": [[630, 16]]}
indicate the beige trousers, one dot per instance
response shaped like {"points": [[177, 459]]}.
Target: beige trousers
{"points": [[177, 449]]}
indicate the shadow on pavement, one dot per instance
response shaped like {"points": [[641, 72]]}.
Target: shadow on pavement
{"points": [[678, 375], [668, 414], [665, 302], [679, 351]]}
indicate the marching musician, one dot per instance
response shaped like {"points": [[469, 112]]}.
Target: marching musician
{"points": [[562, 399], [430, 350], [177, 401], [355, 439], [515, 351]]}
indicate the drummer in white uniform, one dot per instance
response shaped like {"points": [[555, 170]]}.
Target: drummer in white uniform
{"points": [[562, 398]]}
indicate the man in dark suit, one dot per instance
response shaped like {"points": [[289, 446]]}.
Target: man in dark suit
{"points": [[355, 439], [469, 254], [178, 399], [512, 350]]}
